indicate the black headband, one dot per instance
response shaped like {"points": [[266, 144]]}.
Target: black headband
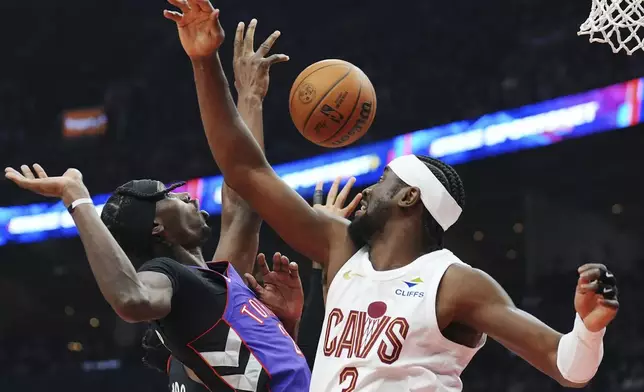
{"points": [[134, 218]]}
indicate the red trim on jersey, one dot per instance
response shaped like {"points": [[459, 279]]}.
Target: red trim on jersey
{"points": [[250, 349], [168, 364], [189, 344]]}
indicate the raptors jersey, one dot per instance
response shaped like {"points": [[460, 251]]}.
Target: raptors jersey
{"points": [[381, 332]]}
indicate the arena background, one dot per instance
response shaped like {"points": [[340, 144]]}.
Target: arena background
{"points": [[531, 217]]}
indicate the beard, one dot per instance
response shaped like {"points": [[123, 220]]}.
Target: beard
{"points": [[363, 228]]}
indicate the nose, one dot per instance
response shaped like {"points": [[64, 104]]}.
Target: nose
{"points": [[366, 192]]}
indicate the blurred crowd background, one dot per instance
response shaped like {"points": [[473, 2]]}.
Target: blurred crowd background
{"points": [[531, 217]]}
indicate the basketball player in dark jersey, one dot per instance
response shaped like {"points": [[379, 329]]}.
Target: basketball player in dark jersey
{"points": [[240, 226], [180, 378], [158, 357], [203, 312]]}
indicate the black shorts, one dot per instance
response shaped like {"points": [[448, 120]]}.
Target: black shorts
{"points": [[179, 381]]}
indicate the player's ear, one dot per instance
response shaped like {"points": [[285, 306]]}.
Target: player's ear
{"points": [[410, 197]]}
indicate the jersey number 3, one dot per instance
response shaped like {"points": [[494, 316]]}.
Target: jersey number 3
{"points": [[349, 373]]}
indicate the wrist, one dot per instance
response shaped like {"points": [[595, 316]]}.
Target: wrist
{"points": [[291, 323], [73, 192], [583, 333], [201, 62], [249, 98]]}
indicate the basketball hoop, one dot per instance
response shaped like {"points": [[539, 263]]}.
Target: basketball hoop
{"points": [[615, 22]]}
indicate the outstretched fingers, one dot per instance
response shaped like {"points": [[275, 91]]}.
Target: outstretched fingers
{"points": [[204, 5], [252, 283], [333, 192], [173, 16], [239, 41], [344, 193], [267, 45], [276, 58], [26, 171], [348, 210], [181, 4], [249, 39], [261, 264], [40, 172]]}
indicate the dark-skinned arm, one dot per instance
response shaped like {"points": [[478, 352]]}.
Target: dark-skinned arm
{"points": [[135, 297], [246, 170], [240, 224], [482, 304]]}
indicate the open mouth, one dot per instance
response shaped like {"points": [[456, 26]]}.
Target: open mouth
{"points": [[205, 215], [362, 209]]}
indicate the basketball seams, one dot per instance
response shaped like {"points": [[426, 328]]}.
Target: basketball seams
{"points": [[319, 102], [352, 85], [297, 87]]}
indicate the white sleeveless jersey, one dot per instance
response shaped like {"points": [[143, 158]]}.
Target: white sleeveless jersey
{"points": [[381, 333]]}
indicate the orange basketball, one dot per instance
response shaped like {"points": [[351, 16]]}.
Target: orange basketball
{"points": [[332, 103]]}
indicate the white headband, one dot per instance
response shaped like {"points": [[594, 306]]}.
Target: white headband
{"points": [[440, 204]]}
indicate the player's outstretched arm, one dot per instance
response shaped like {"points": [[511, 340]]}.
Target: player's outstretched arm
{"points": [[240, 224], [135, 297], [571, 359], [236, 152]]}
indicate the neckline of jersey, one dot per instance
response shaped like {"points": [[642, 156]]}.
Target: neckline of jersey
{"points": [[396, 273]]}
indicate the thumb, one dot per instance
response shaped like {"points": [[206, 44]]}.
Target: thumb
{"points": [[252, 283], [74, 173]]}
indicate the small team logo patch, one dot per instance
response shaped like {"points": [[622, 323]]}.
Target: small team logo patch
{"points": [[348, 275], [409, 292], [413, 282]]}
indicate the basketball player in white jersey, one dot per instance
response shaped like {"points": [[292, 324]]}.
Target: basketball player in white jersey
{"points": [[402, 312]]}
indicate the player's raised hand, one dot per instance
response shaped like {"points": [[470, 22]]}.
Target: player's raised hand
{"points": [[200, 32], [252, 67], [335, 202], [282, 291], [69, 183], [596, 296]]}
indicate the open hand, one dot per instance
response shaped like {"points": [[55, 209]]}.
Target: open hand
{"points": [[69, 184], [596, 296], [252, 68], [335, 203], [200, 32], [282, 291]]}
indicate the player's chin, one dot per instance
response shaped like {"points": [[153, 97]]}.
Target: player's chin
{"points": [[359, 229], [206, 232]]}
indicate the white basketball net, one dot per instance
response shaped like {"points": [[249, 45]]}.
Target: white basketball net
{"points": [[615, 22], [370, 326]]}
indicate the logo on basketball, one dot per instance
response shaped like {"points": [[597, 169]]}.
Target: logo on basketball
{"points": [[306, 93], [365, 112], [332, 114]]}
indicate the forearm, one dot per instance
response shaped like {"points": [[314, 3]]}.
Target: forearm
{"points": [[240, 224], [232, 144], [112, 269]]}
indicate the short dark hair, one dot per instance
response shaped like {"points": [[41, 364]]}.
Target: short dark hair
{"points": [[129, 215], [454, 185]]}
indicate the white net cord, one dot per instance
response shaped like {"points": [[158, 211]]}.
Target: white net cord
{"points": [[615, 22]]}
